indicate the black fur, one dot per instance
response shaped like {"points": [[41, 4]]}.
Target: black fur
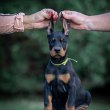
{"points": [[70, 92]]}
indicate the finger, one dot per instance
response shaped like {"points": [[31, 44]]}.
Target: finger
{"points": [[48, 12], [70, 15], [63, 12], [55, 16]]}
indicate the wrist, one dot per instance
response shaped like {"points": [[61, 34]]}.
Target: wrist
{"points": [[26, 19], [27, 22], [88, 23]]}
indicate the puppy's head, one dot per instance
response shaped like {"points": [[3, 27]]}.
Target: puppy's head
{"points": [[58, 40]]}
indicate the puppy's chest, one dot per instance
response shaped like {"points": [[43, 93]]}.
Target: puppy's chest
{"points": [[58, 79], [57, 75]]}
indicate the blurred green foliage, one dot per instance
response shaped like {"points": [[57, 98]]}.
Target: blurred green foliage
{"points": [[23, 56]]}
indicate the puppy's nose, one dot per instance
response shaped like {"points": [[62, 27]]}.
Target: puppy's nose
{"points": [[57, 49]]}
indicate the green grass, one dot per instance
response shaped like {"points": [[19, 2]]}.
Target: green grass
{"points": [[36, 105], [21, 105]]}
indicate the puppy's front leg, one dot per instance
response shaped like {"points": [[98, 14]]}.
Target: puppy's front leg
{"points": [[49, 106], [47, 97], [70, 105], [69, 108]]}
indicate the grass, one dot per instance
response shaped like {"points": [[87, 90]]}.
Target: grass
{"points": [[23, 104]]}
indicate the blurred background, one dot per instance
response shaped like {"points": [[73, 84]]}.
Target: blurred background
{"points": [[23, 56]]}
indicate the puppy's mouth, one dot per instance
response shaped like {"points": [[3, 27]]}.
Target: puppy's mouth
{"points": [[57, 56]]}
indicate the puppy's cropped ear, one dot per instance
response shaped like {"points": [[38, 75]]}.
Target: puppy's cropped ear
{"points": [[50, 28], [65, 25]]}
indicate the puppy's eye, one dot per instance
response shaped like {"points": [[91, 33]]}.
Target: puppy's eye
{"points": [[62, 39], [53, 40]]}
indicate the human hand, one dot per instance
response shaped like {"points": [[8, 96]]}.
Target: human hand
{"points": [[39, 19], [76, 20]]}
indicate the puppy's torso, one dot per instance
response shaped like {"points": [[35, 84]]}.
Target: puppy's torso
{"points": [[63, 82]]}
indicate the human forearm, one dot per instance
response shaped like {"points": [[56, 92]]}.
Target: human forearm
{"points": [[84, 22], [15, 23], [27, 22], [98, 22], [20, 22], [11, 23]]}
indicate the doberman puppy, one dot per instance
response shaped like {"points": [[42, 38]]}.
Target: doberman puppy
{"points": [[63, 89]]}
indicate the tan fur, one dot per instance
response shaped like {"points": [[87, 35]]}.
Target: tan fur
{"points": [[64, 77], [61, 53], [49, 77], [67, 108], [49, 107]]}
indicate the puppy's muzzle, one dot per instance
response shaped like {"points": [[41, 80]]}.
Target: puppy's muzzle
{"points": [[57, 49]]}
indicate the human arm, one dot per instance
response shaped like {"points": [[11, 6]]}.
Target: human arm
{"points": [[84, 22], [10, 23]]}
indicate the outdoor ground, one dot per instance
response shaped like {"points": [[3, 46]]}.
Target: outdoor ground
{"points": [[25, 104]]}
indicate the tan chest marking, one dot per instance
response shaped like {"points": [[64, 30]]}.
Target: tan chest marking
{"points": [[49, 77], [64, 77]]}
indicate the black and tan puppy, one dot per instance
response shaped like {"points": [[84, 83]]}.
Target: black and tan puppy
{"points": [[63, 90]]}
